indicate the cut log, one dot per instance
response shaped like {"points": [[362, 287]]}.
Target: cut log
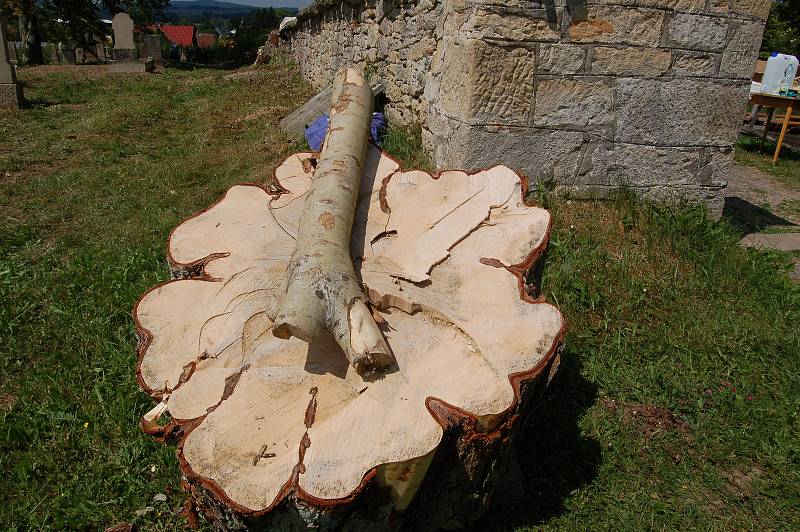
{"points": [[321, 294], [279, 433]]}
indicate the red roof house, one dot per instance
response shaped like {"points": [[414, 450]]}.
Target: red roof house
{"points": [[179, 35]]}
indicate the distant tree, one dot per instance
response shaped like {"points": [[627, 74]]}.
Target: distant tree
{"points": [[73, 21], [27, 13], [782, 33], [254, 28], [81, 18]]}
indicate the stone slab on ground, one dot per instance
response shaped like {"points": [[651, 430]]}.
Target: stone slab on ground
{"points": [[132, 67], [774, 241]]}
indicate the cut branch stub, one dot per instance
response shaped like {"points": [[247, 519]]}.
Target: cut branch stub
{"points": [[322, 294]]}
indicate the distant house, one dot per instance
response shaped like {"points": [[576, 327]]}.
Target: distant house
{"points": [[185, 36], [206, 40]]}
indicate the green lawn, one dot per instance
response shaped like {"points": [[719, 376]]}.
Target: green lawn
{"points": [[676, 405]]}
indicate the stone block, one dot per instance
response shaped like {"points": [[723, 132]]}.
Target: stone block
{"points": [[630, 61], [635, 165], [423, 48], [67, 56], [575, 103], [484, 23], [697, 32], [618, 25], [123, 54], [8, 73], [487, 84], [679, 112], [132, 67], [11, 95], [688, 63], [715, 166], [540, 154], [719, 7], [753, 8], [561, 59], [686, 6], [151, 46], [741, 53]]}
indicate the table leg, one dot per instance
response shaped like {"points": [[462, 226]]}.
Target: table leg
{"points": [[766, 126], [754, 115], [784, 127]]}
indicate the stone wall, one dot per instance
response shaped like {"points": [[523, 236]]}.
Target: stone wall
{"points": [[587, 94]]}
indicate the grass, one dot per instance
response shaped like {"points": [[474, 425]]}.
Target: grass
{"points": [[676, 404], [749, 152], [405, 144], [97, 172]]}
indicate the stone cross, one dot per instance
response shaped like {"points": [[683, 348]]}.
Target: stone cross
{"points": [[10, 90], [124, 49]]}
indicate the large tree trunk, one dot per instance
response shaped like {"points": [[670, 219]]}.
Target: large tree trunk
{"points": [[283, 432]]}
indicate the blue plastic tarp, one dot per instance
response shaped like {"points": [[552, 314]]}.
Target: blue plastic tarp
{"points": [[315, 133]]}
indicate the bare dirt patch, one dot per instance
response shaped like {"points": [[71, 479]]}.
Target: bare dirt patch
{"points": [[739, 483], [650, 420], [7, 400]]}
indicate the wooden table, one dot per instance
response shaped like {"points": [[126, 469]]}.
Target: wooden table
{"points": [[775, 102]]}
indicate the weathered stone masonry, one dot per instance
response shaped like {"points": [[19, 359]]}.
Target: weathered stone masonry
{"points": [[588, 94]]}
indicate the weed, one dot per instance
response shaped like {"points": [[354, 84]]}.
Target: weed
{"points": [[404, 143]]}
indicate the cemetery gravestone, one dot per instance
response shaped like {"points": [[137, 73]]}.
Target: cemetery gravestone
{"points": [[10, 90], [152, 48], [124, 52], [67, 54], [124, 49]]}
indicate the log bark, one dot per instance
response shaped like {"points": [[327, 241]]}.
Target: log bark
{"points": [[322, 294]]}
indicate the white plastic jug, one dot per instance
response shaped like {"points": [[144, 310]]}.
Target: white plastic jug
{"points": [[779, 74]]}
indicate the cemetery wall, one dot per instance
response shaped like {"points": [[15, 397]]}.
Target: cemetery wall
{"points": [[586, 94]]}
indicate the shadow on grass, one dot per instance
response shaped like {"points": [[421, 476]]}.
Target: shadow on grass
{"points": [[555, 456], [748, 218]]}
